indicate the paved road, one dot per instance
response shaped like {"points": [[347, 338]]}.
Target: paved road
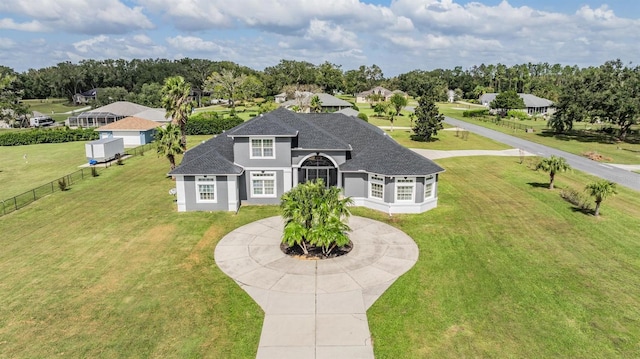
{"points": [[602, 170]]}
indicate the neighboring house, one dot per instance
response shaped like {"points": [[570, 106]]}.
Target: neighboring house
{"points": [[533, 104], [114, 112], [134, 131], [328, 102], [281, 97], [259, 160], [364, 97], [85, 97]]}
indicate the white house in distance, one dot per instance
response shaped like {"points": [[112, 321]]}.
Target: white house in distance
{"points": [[134, 131], [363, 97], [534, 104]]}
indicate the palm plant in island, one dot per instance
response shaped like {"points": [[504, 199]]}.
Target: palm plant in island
{"points": [[600, 190], [553, 165], [176, 100], [169, 143], [315, 217]]}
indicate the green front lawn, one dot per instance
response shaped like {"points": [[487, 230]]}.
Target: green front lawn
{"points": [[109, 269], [506, 269]]}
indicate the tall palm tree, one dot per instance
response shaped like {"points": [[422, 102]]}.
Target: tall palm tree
{"points": [[553, 165], [168, 143], [176, 100], [600, 190]]}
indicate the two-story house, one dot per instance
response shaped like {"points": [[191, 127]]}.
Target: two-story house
{"points": [[259, 160]]}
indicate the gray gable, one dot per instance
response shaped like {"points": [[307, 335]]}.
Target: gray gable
{"points": [[214, 157], [268, 124]]}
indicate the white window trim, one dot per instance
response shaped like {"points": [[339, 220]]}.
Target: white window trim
{"points": [[273, 141], [411, 184], [430, 180], [373, 178], [198, 181], [275, 184]]}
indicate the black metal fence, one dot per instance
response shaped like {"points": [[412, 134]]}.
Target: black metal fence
{"points": [[24, 199]]}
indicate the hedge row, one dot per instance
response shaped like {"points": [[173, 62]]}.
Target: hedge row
{"points": [[210, 123], [55, 135], [475, 113]]}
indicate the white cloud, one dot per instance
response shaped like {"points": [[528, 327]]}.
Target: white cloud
{"points": [[85, 17], [31, 26], [405, 35], [190, 15], [195, 44], [103, 47]]}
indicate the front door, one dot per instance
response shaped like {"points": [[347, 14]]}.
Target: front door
{"points": [[316, 167]]}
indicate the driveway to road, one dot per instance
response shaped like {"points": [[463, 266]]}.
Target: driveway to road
{"points": [[602, 170]]}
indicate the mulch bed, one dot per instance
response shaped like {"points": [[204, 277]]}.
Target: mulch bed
{"points": [[315, 253]]}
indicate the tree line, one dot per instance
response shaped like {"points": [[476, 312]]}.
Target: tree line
{"points": [[606, 93], [130, 76]]}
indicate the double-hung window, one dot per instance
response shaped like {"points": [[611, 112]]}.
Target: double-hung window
{"points": [[263, 184], [376, 187], [429, 185], [405, 189], [263, 148], [206, 189]]}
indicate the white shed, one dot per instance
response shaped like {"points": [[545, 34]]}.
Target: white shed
{"points": [[104, 149]]}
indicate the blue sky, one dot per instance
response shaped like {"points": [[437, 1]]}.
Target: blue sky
{"points": [[398, 35]]}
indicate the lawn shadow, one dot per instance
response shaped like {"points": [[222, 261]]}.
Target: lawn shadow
{"points": [[585, 211], [538, 184], [420, 139]]}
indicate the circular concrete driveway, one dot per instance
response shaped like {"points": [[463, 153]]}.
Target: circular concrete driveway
{"points": [[315, 308]]}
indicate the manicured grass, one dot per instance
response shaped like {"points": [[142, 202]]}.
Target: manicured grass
{"points": [[578, 143], [109, 269], [448, 140], [44, 163], [508, 269]]}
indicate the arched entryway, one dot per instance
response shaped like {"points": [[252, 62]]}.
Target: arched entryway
{"points": [[318, 166]]}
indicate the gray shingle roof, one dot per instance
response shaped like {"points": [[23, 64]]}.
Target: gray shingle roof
{"points": [[375, 151], [371, 149], [213, 157], [349, 112], [122, 108], [529, 100], [268, 124], [326, 100]]}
